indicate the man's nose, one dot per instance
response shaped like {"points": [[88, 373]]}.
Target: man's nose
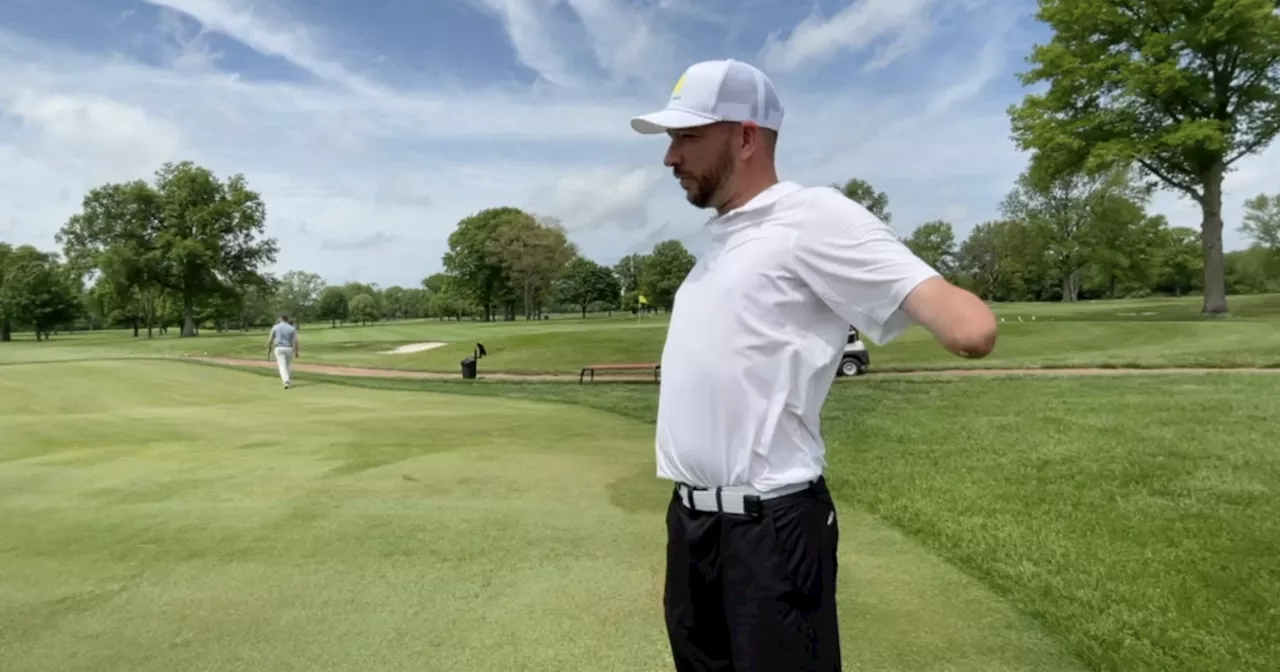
{"points": [[671, 158]]}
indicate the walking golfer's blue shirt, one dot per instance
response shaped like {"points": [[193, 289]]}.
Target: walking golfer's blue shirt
{"points": [[282, 334]]}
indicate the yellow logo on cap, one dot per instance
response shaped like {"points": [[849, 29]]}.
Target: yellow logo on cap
{"points": [[679, 85]]}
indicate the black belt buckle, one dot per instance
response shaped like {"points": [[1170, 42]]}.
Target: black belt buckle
{"points": [[752, 507]]}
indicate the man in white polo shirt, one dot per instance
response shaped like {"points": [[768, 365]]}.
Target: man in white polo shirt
{"points": [[755, 337]]}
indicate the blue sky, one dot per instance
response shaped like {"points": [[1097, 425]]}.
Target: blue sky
{"points": [[371, 128]]}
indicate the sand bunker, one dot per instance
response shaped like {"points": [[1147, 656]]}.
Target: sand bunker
{"points": [[413, 347]]}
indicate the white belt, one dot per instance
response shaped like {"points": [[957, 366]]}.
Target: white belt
{"points": [[736, 499]]}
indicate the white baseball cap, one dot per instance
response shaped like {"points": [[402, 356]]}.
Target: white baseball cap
{"points": [[713, 91]]}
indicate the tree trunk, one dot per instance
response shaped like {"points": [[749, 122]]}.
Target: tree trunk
{"points": [[1071, 286], [6, 332], [584, 311], [1215, 272], [528, 300], [188, 315], [135, 327]]}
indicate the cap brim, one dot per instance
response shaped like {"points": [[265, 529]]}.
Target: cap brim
{"points": [[665, 120]]}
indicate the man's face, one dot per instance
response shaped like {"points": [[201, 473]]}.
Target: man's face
{"points": [[704, 161]]}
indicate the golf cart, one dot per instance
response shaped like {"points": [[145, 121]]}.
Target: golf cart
{"points": [[855, 359]]}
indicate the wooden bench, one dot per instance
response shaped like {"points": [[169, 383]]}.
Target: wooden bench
{"points": [[591, 370]]}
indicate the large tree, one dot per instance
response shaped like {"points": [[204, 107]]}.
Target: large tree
{"points": [[1126, 247], [298, 295], [363, 309], [1262, 221], [665, 269], [531, 254], [114, 238], [1068, 211], [333, 305], [1002, 260], [935, 243], [476, 271], [446, 299], [435, 283], [189, 233], [210, 235], [1184, 88], [584, 282], [1178, 263], [629, 269], [392, 304], [38, 291]]}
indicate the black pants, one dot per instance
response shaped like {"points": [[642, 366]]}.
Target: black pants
{"points": [[758, 594]]}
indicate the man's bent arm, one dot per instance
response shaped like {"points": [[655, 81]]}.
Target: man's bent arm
{"points": [[957, 318]]}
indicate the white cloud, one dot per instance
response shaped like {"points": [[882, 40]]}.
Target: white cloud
{"points": [[616, 196], [904, 23], [94, 128], [275, 36], [624, 40], [621, 39], [365, 181], [536, 44]]}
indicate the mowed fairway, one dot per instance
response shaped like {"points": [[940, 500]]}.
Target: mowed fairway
{"points": [[167, 516], [160, 516]]}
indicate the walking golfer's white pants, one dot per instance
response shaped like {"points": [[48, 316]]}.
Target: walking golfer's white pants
{"points": [[284, 360]]}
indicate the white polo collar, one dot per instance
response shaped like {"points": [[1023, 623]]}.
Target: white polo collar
{"points": [[761, 200]]}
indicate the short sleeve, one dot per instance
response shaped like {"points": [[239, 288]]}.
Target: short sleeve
{"points": [[859, 268]]}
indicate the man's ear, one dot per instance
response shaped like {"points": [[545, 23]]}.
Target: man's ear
{"points": [[747, 137]]}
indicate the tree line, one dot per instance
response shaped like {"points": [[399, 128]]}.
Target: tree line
{"points": [[189, 252], [1076, 236]]}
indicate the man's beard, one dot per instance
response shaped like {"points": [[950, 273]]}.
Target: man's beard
{"points": [[707, 187]]}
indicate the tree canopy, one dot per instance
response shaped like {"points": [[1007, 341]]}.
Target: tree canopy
{"points": [[188, 233], [1182, 89]]}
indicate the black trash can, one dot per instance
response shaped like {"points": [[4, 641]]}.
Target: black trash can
{"points": [[469, 368]]}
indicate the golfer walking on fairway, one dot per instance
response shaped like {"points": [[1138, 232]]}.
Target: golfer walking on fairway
{"points": [[283, 341], [751, 352]]}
